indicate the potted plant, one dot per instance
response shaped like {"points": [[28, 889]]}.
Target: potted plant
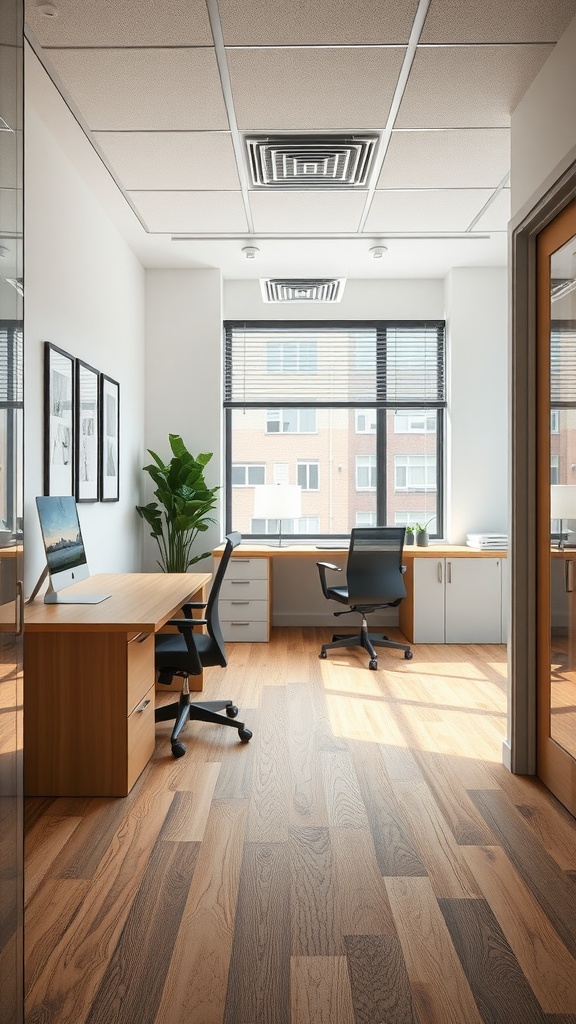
{"points": [[422, 533], [409, 535], [181, 511]]}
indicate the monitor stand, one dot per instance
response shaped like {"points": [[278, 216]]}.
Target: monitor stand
{"points": [[58, 597]]}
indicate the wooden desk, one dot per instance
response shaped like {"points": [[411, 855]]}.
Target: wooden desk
{"points": [[89, 693], [479, 592]]}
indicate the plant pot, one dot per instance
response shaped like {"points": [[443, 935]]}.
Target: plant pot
{"points": [[408, 539], [422, 540]]}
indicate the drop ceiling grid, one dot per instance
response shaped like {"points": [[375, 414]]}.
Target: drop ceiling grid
{"points": [[516, 21], [468, 86], [460, 158], [143, 89], [345, 22], [171, 160], [313, 89], [307, 211], [497, 215], [122, 23], [419, 211], [191, 212]]}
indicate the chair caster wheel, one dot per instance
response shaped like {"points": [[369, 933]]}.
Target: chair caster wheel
{"points": [[178, 749], [323, 654], [373, 663], [232, 711], [408, 655], [245, 735]]}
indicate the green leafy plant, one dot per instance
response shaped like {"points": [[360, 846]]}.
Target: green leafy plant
{"points": [[184, 501], [422, 529], [409, 530]]}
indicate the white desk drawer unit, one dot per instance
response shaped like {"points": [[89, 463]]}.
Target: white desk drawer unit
{"points": [[244, 605]]}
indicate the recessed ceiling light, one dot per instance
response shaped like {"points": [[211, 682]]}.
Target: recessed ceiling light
{"points": [[250, 252], [378, 251]]}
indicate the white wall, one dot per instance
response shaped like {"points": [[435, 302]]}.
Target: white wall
{"points": [[84, 293], [477, 448], [184, 377], [543, 124]]}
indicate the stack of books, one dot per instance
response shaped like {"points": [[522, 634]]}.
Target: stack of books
{"points": [[487, 541]]}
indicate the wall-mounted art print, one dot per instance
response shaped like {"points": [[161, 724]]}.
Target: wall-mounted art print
{"points": [[87, 432], [58, 421], [109, 438]]}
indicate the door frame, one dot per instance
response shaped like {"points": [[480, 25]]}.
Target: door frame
{"points": [[559, 189]]}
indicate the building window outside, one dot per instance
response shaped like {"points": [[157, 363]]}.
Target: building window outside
{"points": [[248, 475], [554, 421], [308, 475], [411, 518], [365, 472], [291, 421], [366, 519], [291, 357], [305, 524], [365, 421], [415, 472], [417, 421]]}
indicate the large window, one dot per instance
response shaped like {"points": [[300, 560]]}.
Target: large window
{"points": [[352, 412]]}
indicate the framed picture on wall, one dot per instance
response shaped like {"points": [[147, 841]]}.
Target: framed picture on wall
{"points": [[109, 438], [87, 432], [58, 421]]}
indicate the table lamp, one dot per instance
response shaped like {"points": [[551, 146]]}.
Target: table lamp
{"points": [[278, 501], [562, 505]]}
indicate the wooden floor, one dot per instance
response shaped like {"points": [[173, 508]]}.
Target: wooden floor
{"points": [[365, 859]]}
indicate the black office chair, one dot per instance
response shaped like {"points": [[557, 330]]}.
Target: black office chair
{"points": [[373, 581], [186, 653]]}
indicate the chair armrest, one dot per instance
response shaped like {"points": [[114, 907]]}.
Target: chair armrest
{"points": [[184, 624], [187, 608], [322, 566]]}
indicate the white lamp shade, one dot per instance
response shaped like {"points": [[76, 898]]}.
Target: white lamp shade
{"points": [[277, 501], [563, 501]]}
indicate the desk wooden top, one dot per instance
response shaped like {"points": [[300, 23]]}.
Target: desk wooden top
{"points": [[139, 602], [323, 554]]}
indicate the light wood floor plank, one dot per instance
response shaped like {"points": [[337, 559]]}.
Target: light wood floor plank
{"points": [[269, 802], [43, 845], [320, 990]]}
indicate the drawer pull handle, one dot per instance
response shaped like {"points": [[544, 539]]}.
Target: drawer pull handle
{"points": [[139, 638], [241, 560], [237, 582], [239, 602], [142, 707], [239, 623]]}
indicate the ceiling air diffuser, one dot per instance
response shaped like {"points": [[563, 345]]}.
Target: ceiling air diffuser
{"points": [[325, 290], [310, 161]]}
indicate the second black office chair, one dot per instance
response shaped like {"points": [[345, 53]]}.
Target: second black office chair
{"points": [[186, 653], [373, 581]]}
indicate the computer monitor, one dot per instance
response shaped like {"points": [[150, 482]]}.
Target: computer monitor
{"points": [[65, 553]]}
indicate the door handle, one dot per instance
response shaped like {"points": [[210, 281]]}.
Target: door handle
{"points": [[19, 607], [439, 572], [569, 575], [449, 572]]}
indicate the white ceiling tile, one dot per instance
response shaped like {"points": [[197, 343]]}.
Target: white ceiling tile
{"points": [[143, 88], [171, 160], [468, 87], [460, 158], [496, 217], [313, 89], [307, 211], [516, 21], [194, 212], [122, 23], [449, 210], [277, 23]]}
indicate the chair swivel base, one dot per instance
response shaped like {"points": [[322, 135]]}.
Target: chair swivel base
{"points": [[369, 641], [184, 710]]}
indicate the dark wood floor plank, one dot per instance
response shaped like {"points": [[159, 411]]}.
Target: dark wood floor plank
{"points": [[394, 842], [499, 987], [49, 915], [379, 981], [442, 775], [259, 978], [313, 894], [554, 891], [131, 988], [86, 848], [320, 990]]}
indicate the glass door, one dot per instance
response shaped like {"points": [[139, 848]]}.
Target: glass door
{"points": [[556, 410]]}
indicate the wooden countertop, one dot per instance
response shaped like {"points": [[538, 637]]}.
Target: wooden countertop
{"points": [[253, 550]]}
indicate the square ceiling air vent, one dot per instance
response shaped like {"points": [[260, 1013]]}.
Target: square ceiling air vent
{"points": [[310, 161], [325, 290]]}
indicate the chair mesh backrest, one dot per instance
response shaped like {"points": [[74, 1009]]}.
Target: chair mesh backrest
{"points": [[213, 619], [373, 569]]}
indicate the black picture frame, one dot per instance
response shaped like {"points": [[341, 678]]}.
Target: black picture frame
{"points": [[87, 432], [59, 397], [109, 439]]}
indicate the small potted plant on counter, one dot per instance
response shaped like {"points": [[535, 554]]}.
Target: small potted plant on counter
{"points": [[422, 533], [409, 535]]}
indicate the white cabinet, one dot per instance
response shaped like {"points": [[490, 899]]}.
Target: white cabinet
{"points": [[244, 603], [457, 600]]}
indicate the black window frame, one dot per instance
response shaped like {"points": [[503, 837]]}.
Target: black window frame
{"points": [[382, 405]]}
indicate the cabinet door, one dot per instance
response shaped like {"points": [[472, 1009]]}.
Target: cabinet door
{"points": [[429, 574], [473, 601]]}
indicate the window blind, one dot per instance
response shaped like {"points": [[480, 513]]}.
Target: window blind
{"points": [[11, 363], [384, 364], [563, 364]]}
